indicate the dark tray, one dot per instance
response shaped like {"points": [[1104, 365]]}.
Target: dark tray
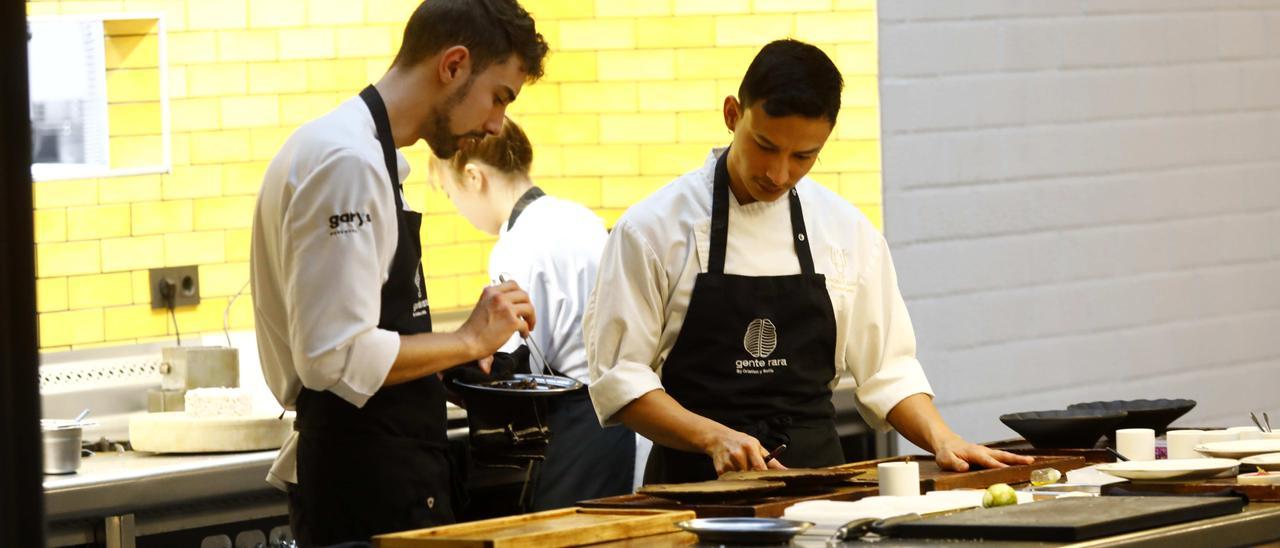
{"points": [[1070, 519]]}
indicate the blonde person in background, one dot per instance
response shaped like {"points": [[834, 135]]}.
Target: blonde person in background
{"points": [[551, 248]]}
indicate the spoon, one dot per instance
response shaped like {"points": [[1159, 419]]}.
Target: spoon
{"points": [[82, 415]]}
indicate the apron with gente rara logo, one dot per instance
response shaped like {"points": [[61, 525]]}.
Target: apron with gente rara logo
{"points": [[755, 353]]}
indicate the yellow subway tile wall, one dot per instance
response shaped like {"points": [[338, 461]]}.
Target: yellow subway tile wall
{"points": [[631, 99]]}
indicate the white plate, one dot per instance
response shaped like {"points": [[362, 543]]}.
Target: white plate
{"points": [[1268, 461], [1172, 469], [1239, 448]]}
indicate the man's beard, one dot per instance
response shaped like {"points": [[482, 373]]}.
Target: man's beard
{"points": [[444, 144]]}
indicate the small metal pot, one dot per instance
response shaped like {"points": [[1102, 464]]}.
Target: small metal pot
{"points": [[61, 445]]}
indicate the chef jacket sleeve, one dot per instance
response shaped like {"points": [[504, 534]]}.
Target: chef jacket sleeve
{"points": [[881, 354], [623, 323], [334, 272]]}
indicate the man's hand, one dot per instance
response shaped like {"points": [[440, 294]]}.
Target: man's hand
{"points": [[956, 454], [503, 309], [732, 450]]}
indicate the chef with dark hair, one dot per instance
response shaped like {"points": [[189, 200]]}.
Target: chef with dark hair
{"points": [[730, 301]]}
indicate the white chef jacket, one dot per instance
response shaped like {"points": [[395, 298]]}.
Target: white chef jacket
{"points": [[324, 234], [661, 244], [553, 252]]}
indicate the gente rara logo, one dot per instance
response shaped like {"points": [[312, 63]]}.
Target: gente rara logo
{"points": [[347, 223]]}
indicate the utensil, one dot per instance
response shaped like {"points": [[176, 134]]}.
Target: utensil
{"points": [[861, 527], [1257, 422], [79, 418], [774, 454], [533, 346], [1267, 420], [1117, 455]]}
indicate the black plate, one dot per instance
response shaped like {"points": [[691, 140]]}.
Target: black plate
{"points": [[1064, 428], [735, 531], [1153, 414]]}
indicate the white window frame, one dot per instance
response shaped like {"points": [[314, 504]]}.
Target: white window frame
{"points": [[53, 172]]}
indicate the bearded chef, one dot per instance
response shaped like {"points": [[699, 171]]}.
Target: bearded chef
{"points": [[729, 301]]}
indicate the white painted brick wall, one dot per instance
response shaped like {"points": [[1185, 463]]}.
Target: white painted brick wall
{"points": [[1083, 200]]}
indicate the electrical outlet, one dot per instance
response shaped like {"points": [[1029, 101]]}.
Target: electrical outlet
{"points": [[185, 282]]}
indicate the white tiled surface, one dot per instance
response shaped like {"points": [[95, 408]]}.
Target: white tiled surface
{"points": [[1083, 199]]}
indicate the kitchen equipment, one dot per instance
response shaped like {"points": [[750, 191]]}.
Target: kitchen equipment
{"points": [[61, 442], [1070, 519], [770, 505], [186, 367], [1091, 455], [1257, 422], [177, 432], [932, 477], [1239, 448], [507, 418], [1170, 469], [1153, 414], [797, 477], [551, 529], [737, 531], [774, 454], [1078, 428], [1117, 455], [714, 490]]}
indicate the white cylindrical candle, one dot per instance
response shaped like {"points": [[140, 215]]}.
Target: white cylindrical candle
{"points": [[1182, 443], [899, 479], [1136, 443]]}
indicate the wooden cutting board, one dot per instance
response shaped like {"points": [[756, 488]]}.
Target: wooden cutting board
{"points": [[934, 478], [759, 507], [550, 529], [177, 432]]}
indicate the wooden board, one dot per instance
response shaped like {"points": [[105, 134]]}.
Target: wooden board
{"points": [[176, 432], [1094, 455], [762, 507], [550, 529], [1256, 493], [933, 478]]}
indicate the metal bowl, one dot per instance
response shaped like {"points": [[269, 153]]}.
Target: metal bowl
{"points": [[734, 531]]}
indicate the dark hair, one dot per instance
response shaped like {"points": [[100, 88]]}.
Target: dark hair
{"points": [[793, 78], [491, 30], [509, 151]]}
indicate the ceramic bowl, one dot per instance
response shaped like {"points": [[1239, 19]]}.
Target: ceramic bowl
{"points": [[1153, 414], [1064, 428]]}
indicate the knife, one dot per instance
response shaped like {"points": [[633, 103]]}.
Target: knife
{"points": [[861, 527]]}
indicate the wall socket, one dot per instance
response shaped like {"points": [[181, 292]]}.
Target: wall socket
{"points": [[185, 282]]}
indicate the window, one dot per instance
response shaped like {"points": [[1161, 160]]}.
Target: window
{"points": [[68, 97], [99, 98]]}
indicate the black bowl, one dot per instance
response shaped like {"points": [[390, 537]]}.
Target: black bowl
{"points": [[1063, 428], [1153, 414]]}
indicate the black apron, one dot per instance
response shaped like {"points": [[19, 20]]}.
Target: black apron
{"points": [[582, 460], [384, 467], [756, 354]]}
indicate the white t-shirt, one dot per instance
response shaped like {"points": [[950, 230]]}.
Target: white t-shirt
{"points": [[553, 252], [661, 244], [324, 234]]}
